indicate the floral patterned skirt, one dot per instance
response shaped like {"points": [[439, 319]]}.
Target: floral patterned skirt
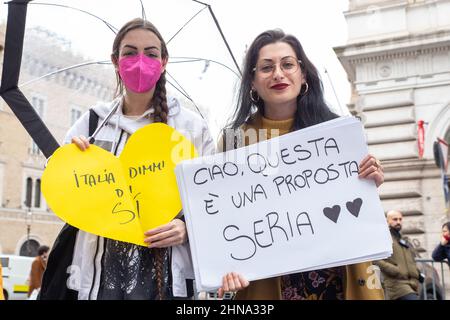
{"points": [[325, 284]]}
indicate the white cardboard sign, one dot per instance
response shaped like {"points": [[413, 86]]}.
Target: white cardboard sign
{"points": [[285, 205]]}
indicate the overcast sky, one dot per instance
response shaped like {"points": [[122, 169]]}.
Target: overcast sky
{"points": [[319, 24]]}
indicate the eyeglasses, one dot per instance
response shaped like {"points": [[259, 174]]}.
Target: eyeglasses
{"points": [[288, 65]]}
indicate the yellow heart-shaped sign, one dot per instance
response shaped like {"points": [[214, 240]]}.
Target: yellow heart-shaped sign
{"points": [[119, 198]]}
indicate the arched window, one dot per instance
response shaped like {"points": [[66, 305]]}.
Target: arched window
{"points": [[29, 192], [37, 194], [29, 248]]}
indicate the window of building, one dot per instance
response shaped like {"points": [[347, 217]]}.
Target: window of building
{"points": [[37, 193], [29, 248], [34, 148], [75, 114], [33, 194], [29, 192], [38, 103]]}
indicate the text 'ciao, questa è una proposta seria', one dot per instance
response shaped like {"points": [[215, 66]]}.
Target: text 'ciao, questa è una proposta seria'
{"points": [[274, 226]]}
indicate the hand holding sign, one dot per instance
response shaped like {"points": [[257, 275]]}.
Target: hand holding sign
{"points": [[119, 198]]}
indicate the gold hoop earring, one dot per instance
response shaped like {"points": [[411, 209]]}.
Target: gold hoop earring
{"points": [[307, 88], [252, 91]]}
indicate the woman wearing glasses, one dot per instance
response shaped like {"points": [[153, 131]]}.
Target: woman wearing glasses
{"points": [[281, 92]]}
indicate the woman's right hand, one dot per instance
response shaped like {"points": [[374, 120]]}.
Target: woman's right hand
{"points": [[81, 142], [444, 241], [232, 282]]}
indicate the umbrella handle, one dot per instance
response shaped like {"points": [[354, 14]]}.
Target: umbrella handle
{"points": [[91, 138]]}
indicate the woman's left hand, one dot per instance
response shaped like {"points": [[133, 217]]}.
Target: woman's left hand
{"points": [[170, 234], [370, 168]]}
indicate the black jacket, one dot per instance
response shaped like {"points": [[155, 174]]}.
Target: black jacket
{"points": [[440, 253]]}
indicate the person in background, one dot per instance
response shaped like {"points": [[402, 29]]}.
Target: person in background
{"points": [[401, 276], [37, 270], [442, 251]]}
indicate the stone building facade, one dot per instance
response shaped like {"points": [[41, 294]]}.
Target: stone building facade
{"points": [[398, 61], [25, 219]]}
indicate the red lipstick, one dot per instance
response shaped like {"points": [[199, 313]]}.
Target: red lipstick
{"points": [[279, 86]]}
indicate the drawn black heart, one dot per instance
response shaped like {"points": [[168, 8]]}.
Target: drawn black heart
{"points": [[355, 206], [332, 213]]}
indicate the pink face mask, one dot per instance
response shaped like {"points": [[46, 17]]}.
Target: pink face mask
{"points": [[139, 72]]}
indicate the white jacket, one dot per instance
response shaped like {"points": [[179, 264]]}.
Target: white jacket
{"points": [[85, 270]]}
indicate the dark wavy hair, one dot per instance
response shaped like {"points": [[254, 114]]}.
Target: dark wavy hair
{"points": [[159, 100], [447, 224], [311, 106], [42, 250]]}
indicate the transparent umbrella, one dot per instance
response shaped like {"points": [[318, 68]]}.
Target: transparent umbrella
{"points": [[66, 68], [76, 38]]}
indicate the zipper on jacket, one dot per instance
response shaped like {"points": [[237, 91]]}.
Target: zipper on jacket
{"points": [[95, 269]]}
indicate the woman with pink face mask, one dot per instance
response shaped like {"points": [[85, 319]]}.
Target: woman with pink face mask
{"points": [[100, 268]]}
